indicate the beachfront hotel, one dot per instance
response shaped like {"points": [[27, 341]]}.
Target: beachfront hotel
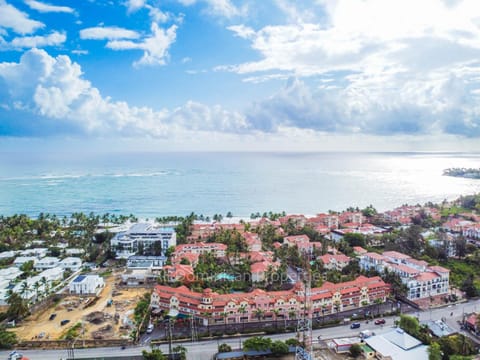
{"points": [[146, 236], [217, 308]]}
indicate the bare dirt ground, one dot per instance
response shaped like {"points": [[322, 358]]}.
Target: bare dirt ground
{"points": [[98, 320]]}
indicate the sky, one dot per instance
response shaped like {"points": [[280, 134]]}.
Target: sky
{"points": [[175, 75]]}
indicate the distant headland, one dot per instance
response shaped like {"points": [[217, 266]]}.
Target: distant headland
{"points": [[463, 172]]}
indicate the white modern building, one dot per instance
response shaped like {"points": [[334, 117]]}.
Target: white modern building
{"points": [[46, 263], [74, 252], [422, 280], [10, 273], [146, 262], [21, 260], [71, 263], [148, 238], [37, 252], [86, 285]]}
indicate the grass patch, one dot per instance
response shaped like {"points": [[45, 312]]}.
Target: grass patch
{"points": [[73, 332]]}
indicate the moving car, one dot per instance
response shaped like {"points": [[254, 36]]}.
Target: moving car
{"points": [[379, 321], [355, 325]]}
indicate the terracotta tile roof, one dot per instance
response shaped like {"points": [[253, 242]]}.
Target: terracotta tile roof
{"points": [[404, 268], [297, 239], [440, 269], [374, 256], [426, 276], [396, 255]]}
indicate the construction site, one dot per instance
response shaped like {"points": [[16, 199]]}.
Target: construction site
{"points": [[106, 316]]}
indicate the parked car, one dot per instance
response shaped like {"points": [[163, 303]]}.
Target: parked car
{"points": [[64, 322], [52, 317], [150, 328], [355, 325], [379, 321]]}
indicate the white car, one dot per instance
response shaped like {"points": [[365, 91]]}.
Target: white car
{"points": [[150, 328]]}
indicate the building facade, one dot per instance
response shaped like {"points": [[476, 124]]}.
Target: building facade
{"points": [[86, 285], [422, 281], [269, 305], [146, 238]]}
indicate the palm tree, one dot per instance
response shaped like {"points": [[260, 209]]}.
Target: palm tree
{"points": [[181, 350], [44, 283], [276, 312], [224, 315], [259, 314], [36, 286], [243, 310], [24, 289], [336, 306], [378, 302], [17, 307]]}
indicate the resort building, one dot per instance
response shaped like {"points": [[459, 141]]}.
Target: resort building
{"points": [[86, 285], [422, 281], [302, 242], [198, 248], [144, 238], [19, 261], [334, 262], [251, 306], [71, 263], [46, 263], [146, 262], [253, 241]]}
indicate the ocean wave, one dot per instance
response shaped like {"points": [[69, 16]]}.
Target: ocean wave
{"points": [[49, 177]]}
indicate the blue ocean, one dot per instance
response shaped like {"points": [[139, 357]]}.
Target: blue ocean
{"points": [[159, 184]]}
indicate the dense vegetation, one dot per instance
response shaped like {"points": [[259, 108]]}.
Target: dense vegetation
{"points": [[439, 348]]}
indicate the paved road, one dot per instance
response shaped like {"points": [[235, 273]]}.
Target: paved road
{"points": [[204, 350]]}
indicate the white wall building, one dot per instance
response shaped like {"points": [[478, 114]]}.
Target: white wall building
{"points": [[71, 263], [19, 261], [422, 281], [143, 235], [37, 252], [46, 263], [86, 285], [74, 252]]}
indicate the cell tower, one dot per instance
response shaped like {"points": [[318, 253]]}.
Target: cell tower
{"points": [[304, 324]]}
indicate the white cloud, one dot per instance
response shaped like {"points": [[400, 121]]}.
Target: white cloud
{"points": [[53, 39], [242, 31], [18, 21], [108, 32], [44, 7], [223, 8], [80, 52], [361, 34], [155, 46], [134, 5], [54, 88], [399, 67], [157, 15]]}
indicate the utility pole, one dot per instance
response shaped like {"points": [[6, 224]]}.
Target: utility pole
{"points": [[193, 328], [170, 336], [304, 324]]}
